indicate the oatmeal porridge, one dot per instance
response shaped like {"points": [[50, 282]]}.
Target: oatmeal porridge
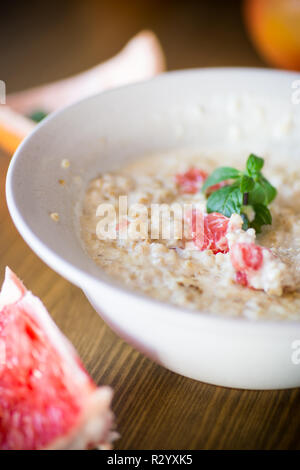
{"points": [[213, 263]]}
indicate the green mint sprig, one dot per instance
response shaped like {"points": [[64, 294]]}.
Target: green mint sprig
{"points": [[249, 188]]}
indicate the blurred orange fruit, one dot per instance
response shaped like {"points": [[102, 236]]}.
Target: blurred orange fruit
{"points": [[274, 27]]}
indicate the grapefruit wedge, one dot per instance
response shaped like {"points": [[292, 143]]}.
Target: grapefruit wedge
{"points": [[47, 399], [141, 58]]}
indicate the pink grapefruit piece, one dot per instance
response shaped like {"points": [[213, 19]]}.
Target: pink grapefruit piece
{"points": [[208, 231], [246, 256], [140, 59], [192, 180], [47, 399], [241, 278]]}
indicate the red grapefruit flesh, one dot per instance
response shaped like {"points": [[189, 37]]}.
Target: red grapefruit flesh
{"points": [[208, 231], [217, 186], [246, 256], [192, 180], [47, 399], [241, 278]]}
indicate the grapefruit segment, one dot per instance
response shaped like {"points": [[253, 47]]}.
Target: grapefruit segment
{"points": [[192, 180], [141, 58], [241, 278], [245, 256], [47, 399], [208, 231]]}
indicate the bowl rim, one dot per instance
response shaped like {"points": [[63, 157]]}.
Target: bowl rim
{"points": [[85, 280]]}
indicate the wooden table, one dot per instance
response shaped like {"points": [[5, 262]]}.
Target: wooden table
{"points": [[155, 408]]}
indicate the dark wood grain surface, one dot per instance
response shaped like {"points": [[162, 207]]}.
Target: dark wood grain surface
{"points": [[155, 408]]}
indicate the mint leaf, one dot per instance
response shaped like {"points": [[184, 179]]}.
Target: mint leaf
{"points": [[262, 193], [246, 184], [254, 164], [221, 174], [250, 188], [262, 217], [270, 191], [245, 225], [257, 195], [227, 201]]}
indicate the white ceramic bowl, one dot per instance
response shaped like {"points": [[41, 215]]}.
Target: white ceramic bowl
{"points": [[244, 109]]}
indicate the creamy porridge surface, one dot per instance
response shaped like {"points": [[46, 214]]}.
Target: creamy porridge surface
{"points": [[198, 280]]}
